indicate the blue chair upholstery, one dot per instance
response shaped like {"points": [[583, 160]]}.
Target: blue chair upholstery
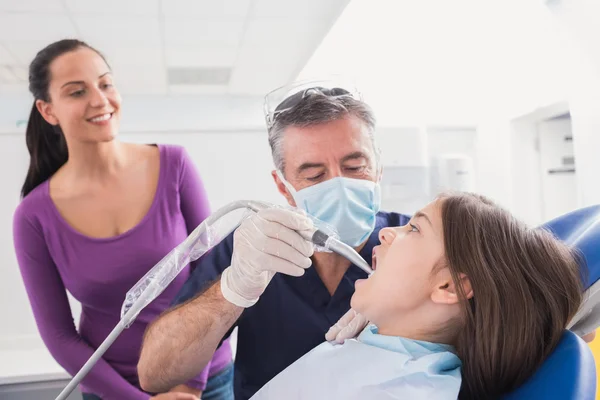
{"points": [[569, 373], [581, 229]]}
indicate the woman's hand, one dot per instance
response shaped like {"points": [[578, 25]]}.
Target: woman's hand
{"points": [[175, 396]]}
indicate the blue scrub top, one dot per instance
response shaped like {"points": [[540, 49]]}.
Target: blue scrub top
{"points": [[290, 318]]}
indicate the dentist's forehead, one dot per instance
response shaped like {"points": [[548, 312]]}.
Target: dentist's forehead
{"points": [[334, 140]]}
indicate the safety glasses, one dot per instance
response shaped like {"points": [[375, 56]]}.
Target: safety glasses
{"points": [[287, 97]]}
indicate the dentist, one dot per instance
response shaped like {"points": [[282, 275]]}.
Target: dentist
{"points": [[327, 164]]}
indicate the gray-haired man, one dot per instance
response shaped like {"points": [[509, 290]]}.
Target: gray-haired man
{"points": [[326, 159]]}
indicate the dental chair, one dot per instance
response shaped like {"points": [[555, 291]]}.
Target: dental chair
{"points": [[570, 372]]}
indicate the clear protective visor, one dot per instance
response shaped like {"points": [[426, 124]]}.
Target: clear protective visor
{"points": [[286, 97]]}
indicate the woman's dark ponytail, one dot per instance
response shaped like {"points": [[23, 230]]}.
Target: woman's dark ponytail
{"points": [[46, 143], [47, 150]]}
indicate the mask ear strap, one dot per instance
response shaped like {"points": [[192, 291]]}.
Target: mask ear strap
{"points": [[287, 185]]}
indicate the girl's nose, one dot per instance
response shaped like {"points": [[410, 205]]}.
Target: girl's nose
{"points": [[387, 235]]}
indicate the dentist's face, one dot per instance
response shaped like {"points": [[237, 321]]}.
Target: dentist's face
{"points": [[321, 152], [83, 98], [404, 263]]}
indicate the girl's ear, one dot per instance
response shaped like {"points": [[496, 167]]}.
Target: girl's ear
{"points": [[446, 290]]}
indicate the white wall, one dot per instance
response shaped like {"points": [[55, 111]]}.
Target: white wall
{"points": [[492, 149], [450, 140], [525, 172], [585, 103], [579, 20], [17, 329], [233, 165]]}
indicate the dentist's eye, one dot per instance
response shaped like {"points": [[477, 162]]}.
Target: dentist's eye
{"points": [[356, 169], [315, 178]]}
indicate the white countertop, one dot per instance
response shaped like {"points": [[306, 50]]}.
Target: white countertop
{"points": [[25, 366]]}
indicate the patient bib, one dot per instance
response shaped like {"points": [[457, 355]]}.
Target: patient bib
{"points": [[371, 367]]}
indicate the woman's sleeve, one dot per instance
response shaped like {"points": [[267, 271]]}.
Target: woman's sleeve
{"points": [[194, 200], [52, 313], [195, 208]]}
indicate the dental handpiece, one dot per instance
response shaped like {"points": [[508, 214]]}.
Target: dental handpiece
{"points": [[322, 239]]}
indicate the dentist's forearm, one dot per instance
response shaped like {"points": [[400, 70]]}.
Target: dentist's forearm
{"points": [[180, 343]]}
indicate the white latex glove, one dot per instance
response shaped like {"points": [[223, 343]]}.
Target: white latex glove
{"points": [[348, 327], [264, 244]]}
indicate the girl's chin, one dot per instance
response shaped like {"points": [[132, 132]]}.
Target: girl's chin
{"points": [[359, 295], [358, 283]]}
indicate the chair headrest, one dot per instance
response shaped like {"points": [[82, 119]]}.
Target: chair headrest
{"points": [[569, 373], [581, 229]]}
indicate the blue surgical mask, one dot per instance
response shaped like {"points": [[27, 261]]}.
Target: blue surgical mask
{"points": [[348, 205]]}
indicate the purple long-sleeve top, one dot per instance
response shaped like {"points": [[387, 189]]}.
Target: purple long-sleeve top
{"points": [[53, 256]]}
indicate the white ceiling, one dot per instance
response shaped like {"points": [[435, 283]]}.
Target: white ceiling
{"points": [[259, 44]]}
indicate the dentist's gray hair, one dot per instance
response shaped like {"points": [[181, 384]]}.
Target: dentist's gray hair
{"points": [[318, 108]]}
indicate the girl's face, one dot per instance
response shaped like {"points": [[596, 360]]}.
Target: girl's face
{"points": [[410, 276], [83, 98]]}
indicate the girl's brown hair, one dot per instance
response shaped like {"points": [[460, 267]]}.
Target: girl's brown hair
{"points": [[526, 287]]}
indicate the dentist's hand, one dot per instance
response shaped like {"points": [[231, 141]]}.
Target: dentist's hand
{"points": [[264, 244], [348, 327]]}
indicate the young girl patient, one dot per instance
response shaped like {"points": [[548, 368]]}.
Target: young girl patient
{"points": [[465, 300]]}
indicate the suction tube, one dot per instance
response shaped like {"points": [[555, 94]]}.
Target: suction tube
{"points": [[208, 234]]}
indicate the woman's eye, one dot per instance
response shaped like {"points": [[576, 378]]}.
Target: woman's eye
{"points": [[106, 85], [78, 93], [413, 228]]}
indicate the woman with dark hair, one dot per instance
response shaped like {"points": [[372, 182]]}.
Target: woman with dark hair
{"points": [[465, 302], [96, 215]]}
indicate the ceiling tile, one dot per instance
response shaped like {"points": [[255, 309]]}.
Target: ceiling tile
{"points": [[134, 80], [206, 8], [121, 30], [35, 27], [215, 32], [38, 6], [24, 52], [257, 71], [189, 89], [6, 58], [113, 7], [284, 31], [141, 54], [317, 9], [201, 56]]}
